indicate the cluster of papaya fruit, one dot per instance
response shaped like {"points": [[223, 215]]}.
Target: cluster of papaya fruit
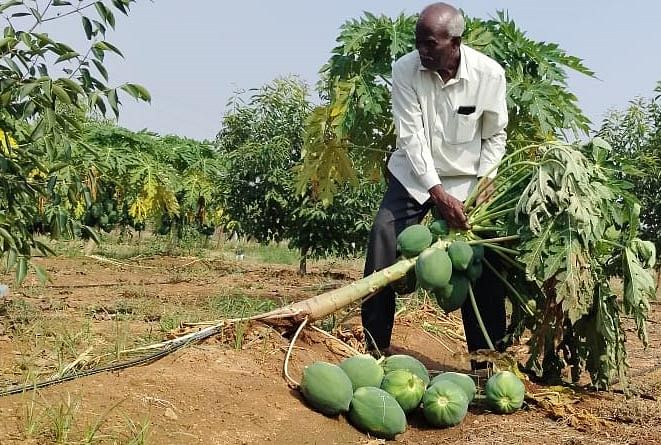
{"points": [[103, 214], [445, 271], [106, 214]]}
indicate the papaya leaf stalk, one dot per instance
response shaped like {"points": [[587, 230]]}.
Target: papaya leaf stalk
{"points": [[478, 317]]}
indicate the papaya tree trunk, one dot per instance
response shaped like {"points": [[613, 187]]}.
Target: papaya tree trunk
{"points": [[322, 305]]}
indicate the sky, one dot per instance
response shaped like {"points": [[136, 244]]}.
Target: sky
{"points": [[192, 55]]}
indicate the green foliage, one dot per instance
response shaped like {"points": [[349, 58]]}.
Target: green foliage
{"points": [[353, 129], [262, 140], [40, 78], [635, 134], [539, 102], [340, 228], [112, 177], [145, 177], [577, 225], [355, 124]]}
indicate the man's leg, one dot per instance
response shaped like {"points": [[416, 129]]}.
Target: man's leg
{"points": [[398, 210], [490, 297]]}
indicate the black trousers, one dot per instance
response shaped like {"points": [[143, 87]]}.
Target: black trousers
{"points": [[399, 210]]}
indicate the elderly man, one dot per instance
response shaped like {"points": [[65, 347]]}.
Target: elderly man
{"points": [[450, 114]]}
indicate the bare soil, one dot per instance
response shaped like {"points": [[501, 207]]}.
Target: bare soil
{"points": [[229, 392]]}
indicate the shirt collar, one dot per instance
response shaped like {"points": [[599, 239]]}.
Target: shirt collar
{"points": [[462, 71]]}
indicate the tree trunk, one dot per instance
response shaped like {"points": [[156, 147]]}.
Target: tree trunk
{"points": [[322, 305], [303, 263]]}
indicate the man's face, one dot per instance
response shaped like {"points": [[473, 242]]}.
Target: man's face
{"points": [[436, 48]]}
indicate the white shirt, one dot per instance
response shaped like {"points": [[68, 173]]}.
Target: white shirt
{"points": [[436, 144]]}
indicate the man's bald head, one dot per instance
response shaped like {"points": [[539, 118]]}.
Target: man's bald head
{"points": [[439, 17], [438, 37]]}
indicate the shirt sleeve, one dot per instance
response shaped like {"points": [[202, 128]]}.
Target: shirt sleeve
{"points": [[494, 122], [407, 115]]}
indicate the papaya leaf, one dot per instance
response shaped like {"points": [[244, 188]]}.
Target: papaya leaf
{"points": [[535, 251], [576, 283], [639, 288], [645, 252]]}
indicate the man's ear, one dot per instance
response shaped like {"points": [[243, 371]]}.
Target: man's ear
{"points": [[456, 41]]}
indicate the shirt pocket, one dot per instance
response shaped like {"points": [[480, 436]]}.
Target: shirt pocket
{"points": [[462, 128]]}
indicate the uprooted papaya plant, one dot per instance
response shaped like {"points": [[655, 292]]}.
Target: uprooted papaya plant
{"points": [[564, 224]]}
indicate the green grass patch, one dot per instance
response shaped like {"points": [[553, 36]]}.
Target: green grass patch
{"points": [[192, 243], [17, 314], [63, 421], [238, 305], [272, 253]]}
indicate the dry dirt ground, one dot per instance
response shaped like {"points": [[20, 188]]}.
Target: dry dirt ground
{"points": [[230, 389]]}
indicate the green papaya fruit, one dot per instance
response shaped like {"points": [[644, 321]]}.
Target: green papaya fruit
{"points": [[413, 240], [461, 254]]}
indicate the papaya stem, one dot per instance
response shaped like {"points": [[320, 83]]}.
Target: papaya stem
{"points": [[511, 288], [512, 262], [485, 228], [491, 216], [472, 196], [501, 248], [613, 243], [479, 187], [495, 240], [478, 317], [482, 210], [506, 188], [475, 192]]}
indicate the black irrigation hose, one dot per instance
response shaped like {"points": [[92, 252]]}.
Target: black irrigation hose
{"points": [[17, 389]]}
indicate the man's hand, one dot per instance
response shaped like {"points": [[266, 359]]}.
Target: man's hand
{"points": [[487, 189], [450, 208]]}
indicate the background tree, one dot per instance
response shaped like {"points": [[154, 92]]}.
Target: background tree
{"points": [[635, 135], [39, 74], [261, 136], [142, 177], [340, 228], [262, 139]]}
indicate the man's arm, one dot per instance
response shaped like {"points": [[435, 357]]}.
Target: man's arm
{"points": [[407, 115]]}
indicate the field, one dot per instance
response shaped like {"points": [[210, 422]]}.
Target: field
{"points": [[230, 389]]}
